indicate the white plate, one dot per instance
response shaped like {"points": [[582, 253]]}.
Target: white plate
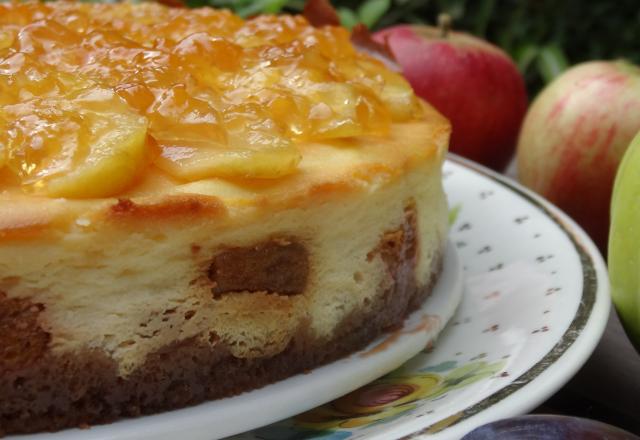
{"points": [[536, 303], [229, 416]]}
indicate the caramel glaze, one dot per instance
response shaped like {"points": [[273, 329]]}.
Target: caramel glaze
{"points": [[91, 90]]}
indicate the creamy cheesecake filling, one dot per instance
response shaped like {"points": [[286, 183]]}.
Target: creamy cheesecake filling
{"points": [[130, 293]]}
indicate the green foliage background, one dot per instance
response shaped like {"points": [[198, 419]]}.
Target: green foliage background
{"points": [[544, 37]]}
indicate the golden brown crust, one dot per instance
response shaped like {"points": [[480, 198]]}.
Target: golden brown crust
{"points": [[25, 219], [49, 392], [26, 232], [179, 207]]}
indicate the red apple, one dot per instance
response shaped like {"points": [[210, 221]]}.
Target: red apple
{"points": [[471, 82], [574, 136]]}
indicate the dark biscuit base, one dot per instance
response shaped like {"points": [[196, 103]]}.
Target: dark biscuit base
{"points": [[46, 392]]}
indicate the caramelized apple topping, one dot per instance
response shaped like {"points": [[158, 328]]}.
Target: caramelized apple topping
{"points": [[91, 95]]}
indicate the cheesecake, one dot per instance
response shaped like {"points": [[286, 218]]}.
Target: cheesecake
{"points": [[194, 205]]}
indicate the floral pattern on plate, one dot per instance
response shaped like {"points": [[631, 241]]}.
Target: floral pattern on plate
{"points": [[388, 398], [535, 305]]}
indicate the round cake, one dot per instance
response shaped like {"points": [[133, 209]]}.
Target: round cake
{"points": [[193, 205]]}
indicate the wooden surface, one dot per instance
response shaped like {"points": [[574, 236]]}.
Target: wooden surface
{"points": [[607, 388]]}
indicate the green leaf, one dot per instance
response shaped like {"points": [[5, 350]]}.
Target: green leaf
{"points": [[483, 16], [249, 10], [371, 11], [414, 18], [348, 18], [453, 214], [525, 56], [273, 6], [455, 8], [551, 62], [230, 4], [296, 5]]}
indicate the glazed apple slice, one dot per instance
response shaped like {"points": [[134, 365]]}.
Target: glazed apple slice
{"points": [[200, 161], [197, 141], [115, 156], [80, 146]]}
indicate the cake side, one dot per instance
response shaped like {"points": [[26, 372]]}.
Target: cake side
{"points": [[81, 388], [157, 319]]}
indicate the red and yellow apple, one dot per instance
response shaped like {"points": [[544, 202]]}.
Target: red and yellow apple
{"points": [[574, 136], [473, 83]]}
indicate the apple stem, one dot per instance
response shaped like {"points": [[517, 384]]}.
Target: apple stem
{"points": [[444, 24]]}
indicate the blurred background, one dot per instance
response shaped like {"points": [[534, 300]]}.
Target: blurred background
{"points": [[544, 37]]}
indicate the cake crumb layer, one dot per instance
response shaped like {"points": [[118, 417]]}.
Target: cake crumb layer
{"points": [[280, 266]]}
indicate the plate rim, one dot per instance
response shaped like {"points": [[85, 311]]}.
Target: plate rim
{"points": [[572, 349]]}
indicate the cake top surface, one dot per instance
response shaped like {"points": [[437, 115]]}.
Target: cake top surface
{"points": [[99, 100]]}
